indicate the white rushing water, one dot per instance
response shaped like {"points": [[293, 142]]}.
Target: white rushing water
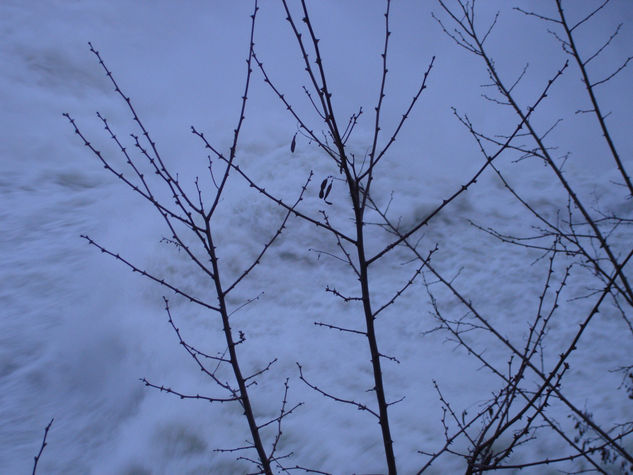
{"points": [[78, 330]]}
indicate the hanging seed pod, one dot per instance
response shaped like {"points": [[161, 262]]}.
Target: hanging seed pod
{"points": [[321, 192], [293, 144], [327, 192]]}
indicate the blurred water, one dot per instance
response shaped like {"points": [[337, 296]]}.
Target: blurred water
{"points": [[78, 329]]}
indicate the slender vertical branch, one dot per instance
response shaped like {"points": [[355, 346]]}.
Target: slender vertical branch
{"points": [[589, 86], [42, 447]]}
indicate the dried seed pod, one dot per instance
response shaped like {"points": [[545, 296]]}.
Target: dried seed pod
{"points": [[327, 192], [321, 192], [293, 144]]}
